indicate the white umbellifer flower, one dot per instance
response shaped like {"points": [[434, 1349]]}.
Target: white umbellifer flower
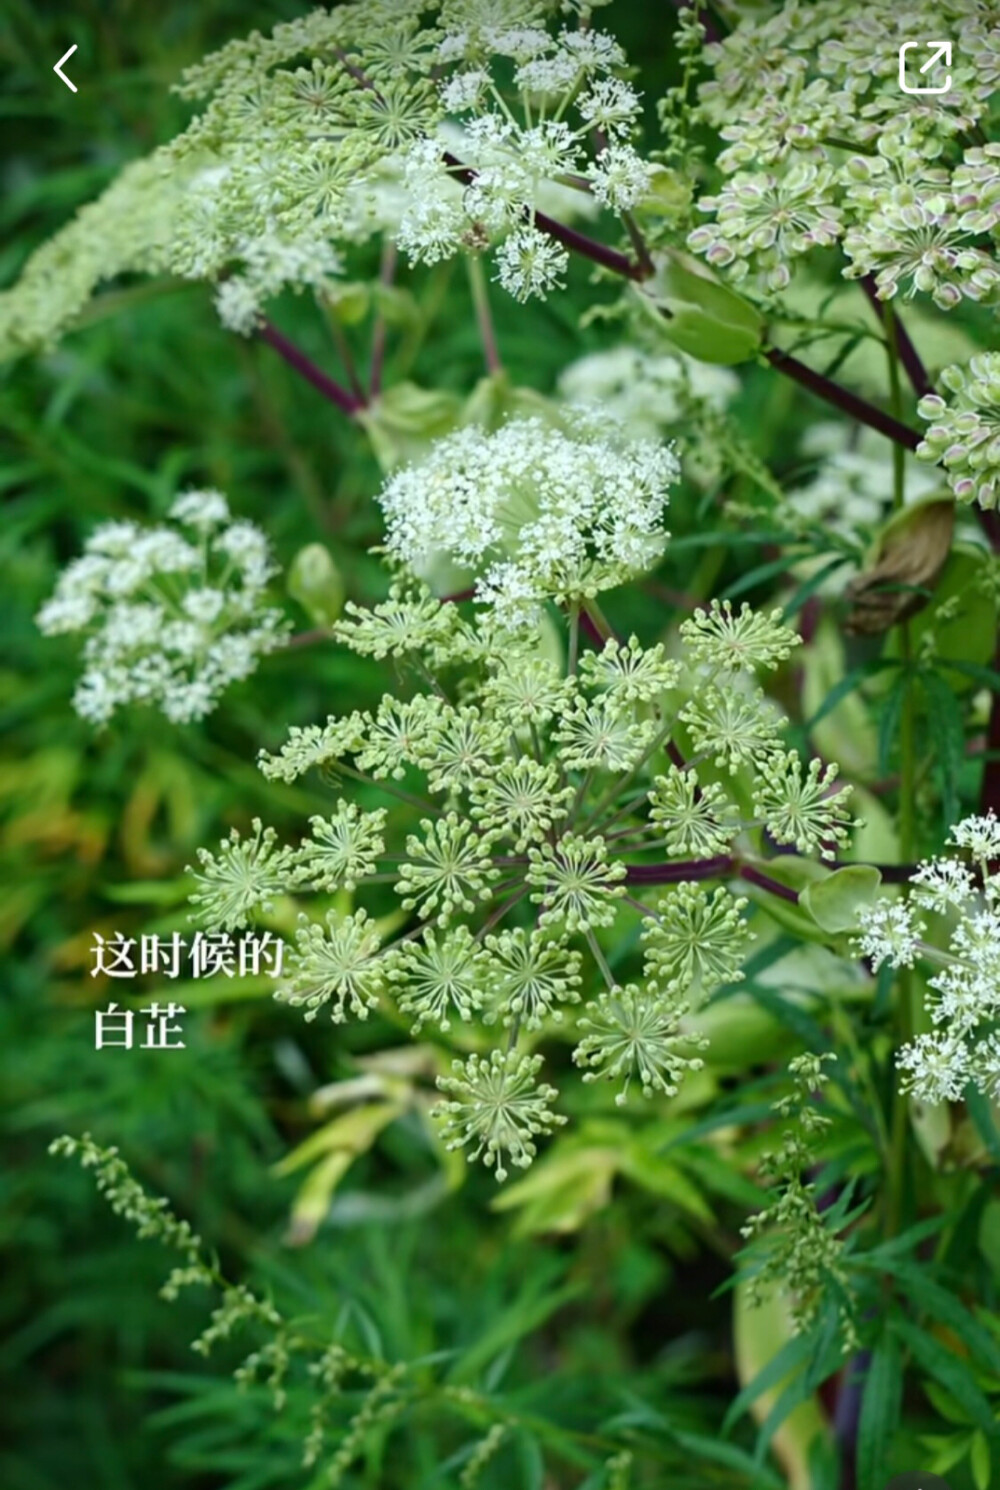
{"points": [[172, 617], [646, 393], [547, 75], [463, 90], [270, 262], [942, 884], [852, 484], [963, 943], [530, 263], [533, 512], [238, 305], [611, 105], [889, 933], [939, 1066], [980, 835], [195, 509], [620, 177]]}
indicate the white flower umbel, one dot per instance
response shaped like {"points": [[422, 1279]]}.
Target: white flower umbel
{"points": [[952, 922], [646, 393], [172, 614], [534, 512]]}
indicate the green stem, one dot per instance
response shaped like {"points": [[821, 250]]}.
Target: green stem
{"points": [[612, 796], [386, 786], [599, 620], [601, 960]]}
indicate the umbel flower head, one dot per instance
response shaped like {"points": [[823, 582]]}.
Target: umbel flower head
{"points": [[172, 614], [533, 795], [818, 152], [446, 126], [951, 919], [534, 512]]}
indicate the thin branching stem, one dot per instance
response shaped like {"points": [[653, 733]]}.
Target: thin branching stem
{"points": [[345, 400]]}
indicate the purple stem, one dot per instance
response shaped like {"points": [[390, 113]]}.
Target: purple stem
{"points": [[593, 631], [306, 368], [310, 638], [765, 882], [588, 248], [688, 869], [842, 398], [908, 354]]}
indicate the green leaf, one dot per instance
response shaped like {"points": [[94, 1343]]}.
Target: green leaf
{"points": [[834, 902], [352, 1132], [944, 1306], [792, 1354], [716, 1451], [562, 1191], [888, 724], [947, 731], [845, 687], [347, 300], [809, 586], [406, 418], [981, 1465], [662, 1178], [964, 641], [944, 1405], [949, 1369], [699, 314], [526, 1315], [881, 1402], [396, 305], [989, 1236]]}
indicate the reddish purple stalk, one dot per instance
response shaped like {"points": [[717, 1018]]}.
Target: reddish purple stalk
{"points": [[344, 399], [908, 354]]}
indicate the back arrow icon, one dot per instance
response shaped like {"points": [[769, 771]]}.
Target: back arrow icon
{"points": [[59, 72]]}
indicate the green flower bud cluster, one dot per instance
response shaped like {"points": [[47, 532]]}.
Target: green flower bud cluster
{"points": [[532, 806]]}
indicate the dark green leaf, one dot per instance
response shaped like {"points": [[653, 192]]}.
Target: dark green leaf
{"points": [[881, 1400], [949, 1369]]}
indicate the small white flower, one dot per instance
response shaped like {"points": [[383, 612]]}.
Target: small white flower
{"points": [[530, 263], [203, 605], [238, 305], [463, 90], [547, 74], [611, 105], [200, 509], [939, 1067], [942, 884], [980, 835], [890, 933], [620, 177], [534, 512]]}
